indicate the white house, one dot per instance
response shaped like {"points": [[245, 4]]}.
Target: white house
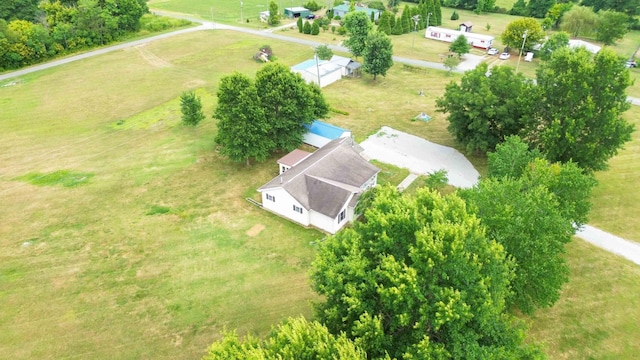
{"points": [[476, 40], [326, 72], [342, 10], [323, 188], [321, 133]]}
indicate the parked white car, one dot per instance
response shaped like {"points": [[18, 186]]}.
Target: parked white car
{"points": [[492, 51], [505, 56]]}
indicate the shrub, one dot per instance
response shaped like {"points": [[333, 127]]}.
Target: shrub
{"points": [[306, 28], [312, 5], [455, 15]]}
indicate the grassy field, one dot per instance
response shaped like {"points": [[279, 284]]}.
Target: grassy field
{"points": [[598, 314], [152, 250]]}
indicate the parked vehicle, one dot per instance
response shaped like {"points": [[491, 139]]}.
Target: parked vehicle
{"points": [[492, 51], [631, 63], [311, 16], [505, 56]]}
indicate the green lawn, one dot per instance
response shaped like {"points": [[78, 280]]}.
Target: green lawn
{"points": [[153, 250], [598, 315]]}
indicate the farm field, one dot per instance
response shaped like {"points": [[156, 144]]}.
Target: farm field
{"points": [[155, 250]]}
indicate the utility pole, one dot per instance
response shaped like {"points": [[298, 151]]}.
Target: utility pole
{"points": [[241, 17], [416, 20], [524, 38], [428, 15], [317, 67]]}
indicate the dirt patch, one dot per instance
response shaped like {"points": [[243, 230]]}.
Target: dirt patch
{"points": [[151, 58], [255, 230]]}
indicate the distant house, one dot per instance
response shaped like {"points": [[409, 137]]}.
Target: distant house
{"points": [[476, 40], [321, 133], [296, 12], [264, 16], [323, 188], [326, 72], [593, 48], [342, 10]]}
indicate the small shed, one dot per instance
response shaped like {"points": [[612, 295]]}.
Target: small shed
{"points": [[296, 12], [342, 10], [466, 26], [321, 133]]}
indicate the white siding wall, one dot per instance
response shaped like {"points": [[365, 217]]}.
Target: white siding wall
{"points": [[284, 206], [322, 222]]}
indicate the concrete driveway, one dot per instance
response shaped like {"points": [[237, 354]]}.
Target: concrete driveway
{"points": [[420, 156]]}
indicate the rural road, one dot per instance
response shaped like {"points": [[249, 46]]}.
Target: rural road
{"points": [[609, 242]]}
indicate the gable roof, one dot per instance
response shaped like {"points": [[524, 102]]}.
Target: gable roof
{"points": [[326, 179], [294, 157]]}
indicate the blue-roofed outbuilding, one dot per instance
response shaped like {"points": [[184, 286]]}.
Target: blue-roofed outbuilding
{"points": [[320, 133]]}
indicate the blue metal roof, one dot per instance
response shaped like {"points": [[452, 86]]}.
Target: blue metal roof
{"points": [[325, 130]]}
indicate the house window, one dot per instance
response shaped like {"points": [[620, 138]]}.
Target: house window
{"points": [[271, 198], [297, 209], [448, 35], [342, 216]]}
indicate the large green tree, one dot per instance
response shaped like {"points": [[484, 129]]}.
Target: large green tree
{"points": [[292, 339], [513, 34], [539, 8], [19, 10], [358, 26], [556, 41], [460, 46], [274, 14], [243, 129], [288, 104], [418, 279], [532, 207], [525, 218], [580, 101], [611, 26], [378, 54], [486, 107], [580, 20], [629, 7]]}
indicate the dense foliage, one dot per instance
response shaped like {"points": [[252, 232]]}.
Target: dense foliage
{"points": [[580, 101], [253, 123], [378, 54], [358, 26], [573, 113], [531, 207], [418, 279], [514, 35], [292, 339], [67, 26], [460, 46], [191, 108], [483, 110]]}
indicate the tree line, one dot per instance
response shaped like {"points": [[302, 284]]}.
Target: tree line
{"points": [[31, 33]]}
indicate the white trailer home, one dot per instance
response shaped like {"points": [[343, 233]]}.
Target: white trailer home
{"points": [[476, 40]]}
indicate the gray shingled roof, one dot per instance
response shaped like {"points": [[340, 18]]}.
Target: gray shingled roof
{"points": [[325, 180]]}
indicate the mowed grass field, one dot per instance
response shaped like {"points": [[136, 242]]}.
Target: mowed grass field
{"points": [[156, 250]]}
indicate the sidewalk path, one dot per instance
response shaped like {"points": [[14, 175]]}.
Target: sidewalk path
{"points": [[614, 244]]}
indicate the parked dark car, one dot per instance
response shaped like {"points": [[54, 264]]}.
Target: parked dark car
{"points": [[311, 16]]}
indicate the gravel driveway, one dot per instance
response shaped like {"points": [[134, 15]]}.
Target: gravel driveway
{"points": [[419, 156]]}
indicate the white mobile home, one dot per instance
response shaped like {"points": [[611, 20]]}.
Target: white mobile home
{"points": [[476, 40]]}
